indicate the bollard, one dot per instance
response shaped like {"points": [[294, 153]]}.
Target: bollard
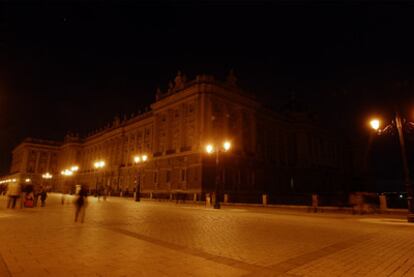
{"points": [[226, 198], [195, 197], [383, 202], [264, 199], [315, 200], [208, 200]]}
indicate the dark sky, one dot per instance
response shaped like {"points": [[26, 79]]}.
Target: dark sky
{"points": [[75, 65]]}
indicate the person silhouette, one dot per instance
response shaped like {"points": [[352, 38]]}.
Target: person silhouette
{"points": [[80, 203]]}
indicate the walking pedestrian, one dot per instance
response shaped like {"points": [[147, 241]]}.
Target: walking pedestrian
{"points": [[80, 204], [43, 196], [99, 192]]}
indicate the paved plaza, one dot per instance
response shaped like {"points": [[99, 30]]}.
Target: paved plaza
{"points": [[123, 238]]}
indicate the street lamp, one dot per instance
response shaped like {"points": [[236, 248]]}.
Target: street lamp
{"points": [[400, 125], [98, 165], [210, 148], [375, 124], [46, 176], [67, 172], [139, 159]]}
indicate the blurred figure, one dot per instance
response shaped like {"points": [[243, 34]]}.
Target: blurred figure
{"points": [[80, 204], [98, 193], [36, 194], [29, 199], [13, 193], [105, 193], [43, 196], [62, 198]]}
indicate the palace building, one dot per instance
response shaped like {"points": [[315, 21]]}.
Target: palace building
{"points": [[270, 152]]}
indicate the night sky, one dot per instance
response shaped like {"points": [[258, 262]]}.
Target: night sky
{"points": [[75, 65]]}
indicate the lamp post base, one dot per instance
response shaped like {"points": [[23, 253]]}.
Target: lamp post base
{"points": [[138, 194]]}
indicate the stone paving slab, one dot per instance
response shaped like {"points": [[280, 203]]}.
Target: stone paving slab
{"points": [[124, 238]]}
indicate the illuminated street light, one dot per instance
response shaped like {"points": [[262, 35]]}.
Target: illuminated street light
{"points": [[400, 125], [210, 149], [47, 175], [27, 180], [138, 159], [66, 172], [375, 124], [226, 145], [98, 165]]}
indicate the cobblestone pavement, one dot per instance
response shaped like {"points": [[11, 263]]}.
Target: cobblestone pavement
{"points": [[123, 238]]}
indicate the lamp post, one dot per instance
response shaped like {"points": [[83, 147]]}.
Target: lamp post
{"points": [[217, 149], [400, 125], [46, 176], [139, 159], [98, 165], [67, 172]]}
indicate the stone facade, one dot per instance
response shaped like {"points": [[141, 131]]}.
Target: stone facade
{"points": [[271, 152]]}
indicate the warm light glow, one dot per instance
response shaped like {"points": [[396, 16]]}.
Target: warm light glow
{"points": [[375, 124], [209, 148], [226, 145], [47, 175], [27, 180], [66, 172], [99, 164], [7, 181], [137, 159], [74, 168]]}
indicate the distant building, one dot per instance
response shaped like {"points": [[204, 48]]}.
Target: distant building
{"points": [[272, 152]]}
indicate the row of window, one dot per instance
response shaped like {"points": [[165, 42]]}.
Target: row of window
{"points": [[183, 176]]}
